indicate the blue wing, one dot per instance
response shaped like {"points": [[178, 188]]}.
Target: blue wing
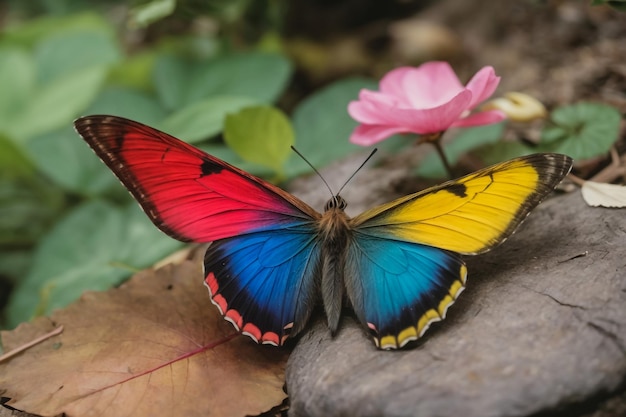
{"points": [[265, 282], [397, 289]]}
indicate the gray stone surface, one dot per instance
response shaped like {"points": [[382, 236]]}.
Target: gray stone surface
{"points": [[540, 327]]}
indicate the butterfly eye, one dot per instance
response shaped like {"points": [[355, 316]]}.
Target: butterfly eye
{"points": [[336, 202]]}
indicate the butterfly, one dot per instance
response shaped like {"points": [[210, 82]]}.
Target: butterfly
{"points": [[273, 258]]}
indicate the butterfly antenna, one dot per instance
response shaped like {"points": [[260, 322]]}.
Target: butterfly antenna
{"points": [[314, 169], [358, 169]]}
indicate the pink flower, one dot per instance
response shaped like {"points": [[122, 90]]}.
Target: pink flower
{"points": [[424, 100]]}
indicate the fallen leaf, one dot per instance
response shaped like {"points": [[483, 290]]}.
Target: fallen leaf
{"points": [[155, 346], [599, 194]]}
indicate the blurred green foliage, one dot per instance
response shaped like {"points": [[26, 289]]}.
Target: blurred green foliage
{"points": [[66, 225]]}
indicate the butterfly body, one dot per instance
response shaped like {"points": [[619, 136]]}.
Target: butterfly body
{"points": [[334, 234], [273, 258]]}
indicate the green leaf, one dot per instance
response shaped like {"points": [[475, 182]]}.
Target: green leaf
{"points": [[502, 151], [205, 118], [134, 71], [323, 125], [464, 141], [17, 83], [145, 14], [66, 159], [180, 82], [95, 247], [262, 135], [171, 78], [582, 131], [261, 76], [129, 103], [57, 104], [13, 161], [14, 263], [28, 205], [35, 30], [67, 52]]}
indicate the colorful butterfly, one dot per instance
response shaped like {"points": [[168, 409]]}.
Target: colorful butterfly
{"points": [[273, 257]]}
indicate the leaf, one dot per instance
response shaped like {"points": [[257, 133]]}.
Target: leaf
{"points": [[13, 161], [41, 28], [70, 163], [17, 82], [66, 52], [323, 125], [55, 105], [128, 102], [155, 346], [95, 247], [501, 151], [171, 77], [597, 194], [464, 141], [145, 14], [260, 76], [582, 130], [134, 71], [28, 206], [205, 118], [262, 135], [65, 158]]}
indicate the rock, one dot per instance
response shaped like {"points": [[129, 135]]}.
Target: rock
{"points": [[541, 326]]}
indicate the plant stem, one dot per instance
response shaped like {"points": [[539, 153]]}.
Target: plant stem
{"points": [[442, 155]]}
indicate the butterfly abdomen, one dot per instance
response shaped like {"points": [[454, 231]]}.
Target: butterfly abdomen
{"points": [[334, 235]]}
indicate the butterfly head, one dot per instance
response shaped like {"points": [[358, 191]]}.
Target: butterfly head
{"points": [[336, 202]]}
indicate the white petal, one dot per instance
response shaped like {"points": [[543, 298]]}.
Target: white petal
{"points": [[599, 194]]}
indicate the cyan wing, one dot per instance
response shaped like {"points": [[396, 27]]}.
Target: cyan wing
{"points": [[397, 289], [264, 283]]}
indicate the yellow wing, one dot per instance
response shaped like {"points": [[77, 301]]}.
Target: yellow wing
{"points": [[472, 214]]}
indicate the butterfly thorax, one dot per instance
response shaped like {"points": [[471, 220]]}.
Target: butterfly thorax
{"points": [[334, 235]]}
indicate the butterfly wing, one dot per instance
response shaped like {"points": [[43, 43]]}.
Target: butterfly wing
{"points": [[403, 269], [397, 289], [264, 282], [187, 193], [474, 213], [260, 266]]}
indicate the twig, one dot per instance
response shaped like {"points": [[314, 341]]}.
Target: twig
{"points": [[30, 344]]}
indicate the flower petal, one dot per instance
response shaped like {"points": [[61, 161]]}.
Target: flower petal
{"points": [[366, 135], [437, 119], [366, 109], [482, 85], [421, 121], [429, 85], [483, 118]]}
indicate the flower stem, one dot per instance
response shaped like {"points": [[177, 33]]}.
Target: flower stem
{"points": [[444, 159]]}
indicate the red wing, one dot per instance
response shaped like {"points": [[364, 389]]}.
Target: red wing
{"points": [[187, 193]]}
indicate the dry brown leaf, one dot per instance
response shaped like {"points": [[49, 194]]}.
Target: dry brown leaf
{"points": [[154, 347], [599, 194]]}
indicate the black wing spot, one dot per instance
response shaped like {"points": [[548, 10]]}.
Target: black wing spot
{"points": [[208, 168], [459, 189]]}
